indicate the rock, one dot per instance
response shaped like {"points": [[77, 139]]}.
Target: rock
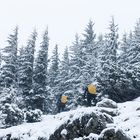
{"points": [[111, 112], [91, 136], [138, 109], [64, 134], [107, 103], [113, 134], [83, 126]]}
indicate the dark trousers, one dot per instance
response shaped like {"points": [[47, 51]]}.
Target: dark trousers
{"points": [[61, 107], [90, 98]]}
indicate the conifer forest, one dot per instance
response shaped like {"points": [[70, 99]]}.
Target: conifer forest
{"points": [[33, 80]]}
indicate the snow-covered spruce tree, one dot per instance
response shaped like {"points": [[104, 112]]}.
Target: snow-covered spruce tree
{"points": [[1, 80], [9, 96], [134, 60], [110, 70], [20, 62], [90, 52], [53, 71], [89, 58], [129, 61], [40, 74], [9, 69], [127, 89], [64, 84], [0, 58], [76, 64], [100, 46], [53, 81], [25, 73], [125, 46]]}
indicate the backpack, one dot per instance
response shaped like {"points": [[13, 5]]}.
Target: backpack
{"points": [[64, 99], [91, 89]]}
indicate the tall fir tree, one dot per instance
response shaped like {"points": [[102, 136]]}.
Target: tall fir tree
{"points": [[0, 58], [76, 64], [54, 67], [40, 74], [110, 71], [124, 55], [9, 69], [9, 92], [53, 80], [26, 63], [134, 59], [129, 61], [76, 58], [64, 82], [100, 45], [1, 80], [64, 72], [90, 53]]}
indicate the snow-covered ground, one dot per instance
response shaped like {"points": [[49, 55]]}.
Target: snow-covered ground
{"points": [[31, 131], [128, 120]]}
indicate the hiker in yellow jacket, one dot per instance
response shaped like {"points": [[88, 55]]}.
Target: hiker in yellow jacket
{"points": [[90, 94], [61, 103]]}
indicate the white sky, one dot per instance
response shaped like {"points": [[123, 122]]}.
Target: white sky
{"points": [[64, 17]]}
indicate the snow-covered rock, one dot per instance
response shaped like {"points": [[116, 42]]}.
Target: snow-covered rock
{"points": [[107, 103], [83, 124], [110, 111], [108, 106], [113, 134]]}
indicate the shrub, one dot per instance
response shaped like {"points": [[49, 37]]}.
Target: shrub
{"points": [[12, 115], [33, 115]]}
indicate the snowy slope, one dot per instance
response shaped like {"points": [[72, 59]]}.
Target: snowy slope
{"points": [[128, 120], [46, 127]]}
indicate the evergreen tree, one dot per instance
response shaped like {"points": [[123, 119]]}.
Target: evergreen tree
{"points": [[124, 50], [76, 58], [64, 72], [53, 71], [89, 50], [134, 59], [135, 45], [1, 80], [127, 89], [129, 61], [110, 69], [82, 63], [0, 59], [89, 59], [100, 59], [53, 81], [100, 46], [89, 36], [40, 74], [64, 84], [77, 62], [26, 61], [9, 69]]}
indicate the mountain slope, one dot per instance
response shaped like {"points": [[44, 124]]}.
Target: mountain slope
{"points": [[128, 120]]}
